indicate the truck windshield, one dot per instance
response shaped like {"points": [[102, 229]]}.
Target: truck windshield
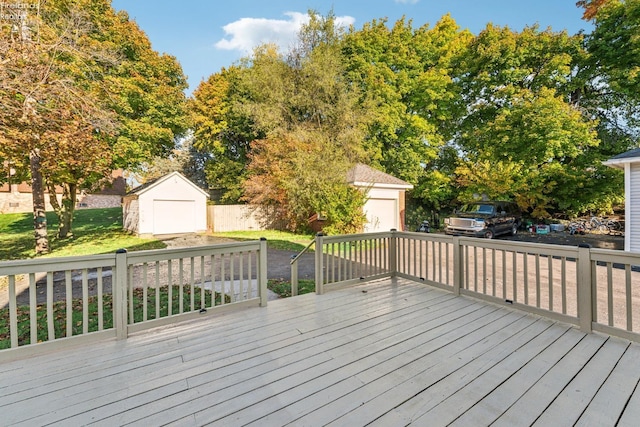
{"points": [[478, 208]]}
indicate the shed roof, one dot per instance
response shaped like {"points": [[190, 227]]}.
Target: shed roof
{"points": [[631, 156], [366, 176], [158, 181]]}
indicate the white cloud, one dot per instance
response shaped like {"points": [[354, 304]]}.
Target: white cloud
{"points": [[407, 1], [247, 33]]}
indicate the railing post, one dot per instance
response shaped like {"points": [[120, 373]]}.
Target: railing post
{"points": [[458, 259], [294, 276], [262, 272], [119, 291], [319, 276], [585, 300], [393, 253]]}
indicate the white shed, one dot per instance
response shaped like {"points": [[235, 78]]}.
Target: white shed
{"points": [[168, 205], [385, 207], [630, 163]]}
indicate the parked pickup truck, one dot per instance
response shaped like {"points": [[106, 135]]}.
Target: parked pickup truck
{"points": [[484, 219]]}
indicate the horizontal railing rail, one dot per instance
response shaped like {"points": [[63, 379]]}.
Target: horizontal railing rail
{"points": [[44, 303]]}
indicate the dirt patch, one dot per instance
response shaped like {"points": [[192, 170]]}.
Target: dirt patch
{"points": [[601, 241]]}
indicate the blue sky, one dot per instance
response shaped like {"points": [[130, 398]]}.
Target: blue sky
{"points": [[207, 35]]}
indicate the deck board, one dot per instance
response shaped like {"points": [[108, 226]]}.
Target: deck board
{"points": [[385, 353]]}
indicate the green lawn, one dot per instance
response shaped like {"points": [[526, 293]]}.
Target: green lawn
{"points": [[95, 231]]}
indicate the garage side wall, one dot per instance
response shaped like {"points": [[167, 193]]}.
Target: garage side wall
{"points": [[130, 214]]}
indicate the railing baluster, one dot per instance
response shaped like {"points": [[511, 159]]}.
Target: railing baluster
{"points": [[180, 285], [504, 274], [433, 261], [131, 293], [610, 293], [51, 332], [550, 270], [169, 287], [13, 312], [484, 271], [157, 291], [145, 292], [192, 281], [514, 275], [100, 286], [475, 268], [563, 284], [525, 269], [628, 297], [494, 266], [69, 302], [33, 308], [85, 301], [232, 283], [538, 280]]}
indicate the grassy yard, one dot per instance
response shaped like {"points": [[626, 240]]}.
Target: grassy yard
{"points": [[95, 231]]}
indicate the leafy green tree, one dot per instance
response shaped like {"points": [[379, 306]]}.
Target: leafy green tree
{"points": [[406, 81], [46, 105], [313, 125], [84, 94], [223, 131], [522, 137]]}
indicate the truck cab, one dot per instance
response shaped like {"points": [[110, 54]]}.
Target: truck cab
{"points": [[484, 219]]}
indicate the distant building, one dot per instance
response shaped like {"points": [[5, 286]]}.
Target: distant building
{"points": [[629, 162], [385, 206], [171, 204], [16, 197]]}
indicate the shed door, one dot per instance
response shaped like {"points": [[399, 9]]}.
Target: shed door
{"points": [[381, 215], [174, 216]]}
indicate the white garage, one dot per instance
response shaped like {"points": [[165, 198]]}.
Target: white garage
{"points": [[385, 205], [169, 205], [629, 162]]}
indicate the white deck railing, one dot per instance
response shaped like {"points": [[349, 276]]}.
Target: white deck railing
{"points": [[48, 302], [594, 289]]}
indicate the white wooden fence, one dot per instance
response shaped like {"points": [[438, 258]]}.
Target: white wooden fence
{"points": [[55, 302]]}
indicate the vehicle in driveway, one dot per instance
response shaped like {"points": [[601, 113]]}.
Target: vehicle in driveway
{"points": [[484, 219]]}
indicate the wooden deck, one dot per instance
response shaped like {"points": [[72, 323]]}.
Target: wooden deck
{"points": [[384, 353]]}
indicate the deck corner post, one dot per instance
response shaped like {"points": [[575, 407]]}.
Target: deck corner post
{"points": [[393, 253], [457, 265], [120, 295], [319, 277], [585, 298], [262, 272]]}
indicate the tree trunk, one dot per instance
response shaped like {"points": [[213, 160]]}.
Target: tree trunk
{"points": [[39, 208], [65, 216], [64, 210]]}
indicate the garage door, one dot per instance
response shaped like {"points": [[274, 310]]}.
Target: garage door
{"points": [[381, 215], [174, 216]]}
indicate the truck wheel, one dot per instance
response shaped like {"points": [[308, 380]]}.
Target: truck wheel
{"points": [[488, 233]]}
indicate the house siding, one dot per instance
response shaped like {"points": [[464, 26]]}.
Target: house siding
{"points": [[633, 216]]}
